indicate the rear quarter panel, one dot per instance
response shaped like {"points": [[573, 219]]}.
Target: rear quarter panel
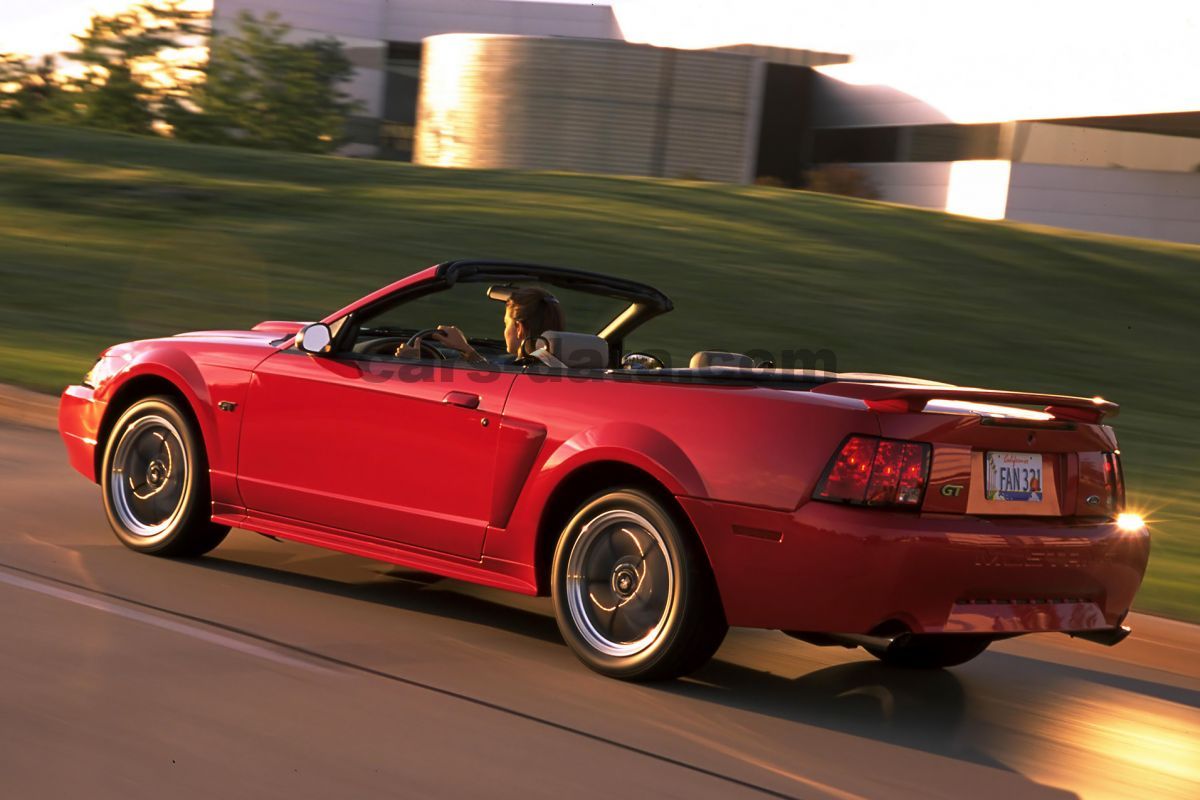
{"points": [[749, 445]]}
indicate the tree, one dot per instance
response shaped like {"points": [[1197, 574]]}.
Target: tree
{"points": [[28, 87], [142, 71], [262, 91], [134, 65]]}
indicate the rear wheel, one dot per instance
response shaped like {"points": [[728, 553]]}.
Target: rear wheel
{"points": [[932, 651], [154, 482], [632, 592]]}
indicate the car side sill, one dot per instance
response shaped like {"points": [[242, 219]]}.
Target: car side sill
{"points": [[487, 571]]}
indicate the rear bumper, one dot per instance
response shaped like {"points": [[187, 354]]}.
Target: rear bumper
{"points": [[79, 416], [839, 569]]}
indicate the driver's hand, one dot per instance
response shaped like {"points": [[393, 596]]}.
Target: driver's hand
{"points": [[451, 337], [404, 351]]}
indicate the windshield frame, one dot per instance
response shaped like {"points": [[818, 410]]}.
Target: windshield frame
{"points": [[645, 302]]}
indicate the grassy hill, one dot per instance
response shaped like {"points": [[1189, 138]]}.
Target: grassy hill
{"points": [[105, 238]]}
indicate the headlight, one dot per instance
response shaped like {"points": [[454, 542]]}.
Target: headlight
{"points": [[91, 379], [105, 367]]}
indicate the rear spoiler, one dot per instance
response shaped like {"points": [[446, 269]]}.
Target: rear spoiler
{"points": [[901, 398]]}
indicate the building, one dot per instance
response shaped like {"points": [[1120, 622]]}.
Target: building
{"points": [[592, 105], [1125, 174], [383, 40], [530, 85], [503, 98]]}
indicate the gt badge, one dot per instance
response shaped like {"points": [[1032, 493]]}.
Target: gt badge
{"points": [[952, 489]]}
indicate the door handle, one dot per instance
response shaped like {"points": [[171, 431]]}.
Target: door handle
{"points": [[464, 399]]}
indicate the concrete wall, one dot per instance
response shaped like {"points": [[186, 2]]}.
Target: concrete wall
{"points": [[413, 20], [1074, 145], [1142, 203], [914, 184], [1153, 205], [587, 106], [369, 58]]}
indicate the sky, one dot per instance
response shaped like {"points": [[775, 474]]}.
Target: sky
{"points": [[45, 26], [861, 26], [975, 61]]}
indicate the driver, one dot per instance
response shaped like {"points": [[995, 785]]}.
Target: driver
{"points": [[528, 313]]}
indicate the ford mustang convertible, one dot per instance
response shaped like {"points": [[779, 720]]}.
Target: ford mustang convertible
{"points": [[657, 505]]}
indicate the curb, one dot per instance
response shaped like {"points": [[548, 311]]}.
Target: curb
{"points": [[25, 407]]}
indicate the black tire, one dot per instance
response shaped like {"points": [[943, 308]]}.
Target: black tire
{"points": [[154, 482], [932, 651], [663, 614]]}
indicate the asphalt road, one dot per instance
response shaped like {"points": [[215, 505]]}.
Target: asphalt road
{"points": [[278, 670]]}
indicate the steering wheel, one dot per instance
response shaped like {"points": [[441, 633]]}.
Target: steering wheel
{"points": [[418, 338]]}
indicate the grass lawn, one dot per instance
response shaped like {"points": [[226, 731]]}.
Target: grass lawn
{"points": [[106, 238]]}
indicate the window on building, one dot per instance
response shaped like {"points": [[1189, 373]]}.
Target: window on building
{"points": [[400, 100], [953, 143], [856, 145], [907, 143]]}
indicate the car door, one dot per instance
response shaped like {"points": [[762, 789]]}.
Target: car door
{"points": [[398, 451]]}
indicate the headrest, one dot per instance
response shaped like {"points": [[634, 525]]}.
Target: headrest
{"points": [[575, 350], [719, 358]]}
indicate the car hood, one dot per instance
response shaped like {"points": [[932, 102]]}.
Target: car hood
{"points": [[264, 338]]}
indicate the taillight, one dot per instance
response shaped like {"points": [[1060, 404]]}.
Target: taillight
{"points": [[871, 471], [1114, 482], [848, 476]]}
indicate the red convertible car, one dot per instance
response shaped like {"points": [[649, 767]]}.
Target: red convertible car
{"points": [[656, 505]]}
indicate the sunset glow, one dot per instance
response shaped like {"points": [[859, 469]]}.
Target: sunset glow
{"points": [[47, 26], [978, 189], [971, 62]]}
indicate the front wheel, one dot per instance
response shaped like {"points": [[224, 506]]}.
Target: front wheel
{"points": [[632, 591], [154, 482]]}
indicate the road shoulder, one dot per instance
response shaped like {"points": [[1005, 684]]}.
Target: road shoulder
{"points": [[26, 407]]}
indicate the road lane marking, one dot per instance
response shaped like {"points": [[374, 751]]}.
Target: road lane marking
{"points": [[45, 584], [187, 629]]}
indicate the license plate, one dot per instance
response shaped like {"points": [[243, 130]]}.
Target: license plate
{"points": [[1014, 476]]}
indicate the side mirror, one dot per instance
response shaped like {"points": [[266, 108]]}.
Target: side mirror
{"points": [[314, 338], [641, 361]]}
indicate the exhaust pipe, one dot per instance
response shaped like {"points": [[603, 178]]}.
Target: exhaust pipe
{"points": [[873, 643]]}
